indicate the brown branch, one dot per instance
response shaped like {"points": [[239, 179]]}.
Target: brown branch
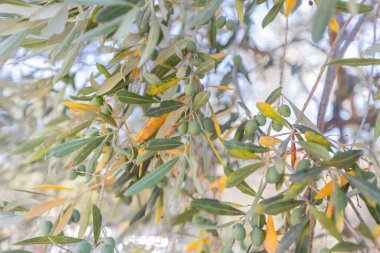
{"points": [[331, 72]]}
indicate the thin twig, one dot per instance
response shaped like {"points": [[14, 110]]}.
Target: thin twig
{"points": [[323, 67], [284, 53]]}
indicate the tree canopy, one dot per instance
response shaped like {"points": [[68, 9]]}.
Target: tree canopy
{"points": [[216, 126]]}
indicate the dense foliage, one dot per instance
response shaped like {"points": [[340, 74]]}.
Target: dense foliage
{"points": [[159, 130]]}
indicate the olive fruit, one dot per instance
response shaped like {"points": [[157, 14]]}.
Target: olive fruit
{"points": [[162, 183], [199, 220], [109, 245], [197, 62], [97, 101], [261, 221], [208, 124], [284, 110], [238, 232], [272, 175], [296, 216], [230, 24], [191, 89], [72, 174], [81, 169], [261, 119], [257, 236], [238, 61], [276, 126], [250, 127], [220, 22], [339, 199], [154, 55], [106, 109], [75, 216], [46, 227], [182, 129], [194, 128], [127, 200], [191, 47], [83, 247], [303, 165]]}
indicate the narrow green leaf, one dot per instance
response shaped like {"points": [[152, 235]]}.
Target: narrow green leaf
{"points": [[345, 7], [306, 175], [67, 147], [10, 44], [244, 150], [96, 222], [206, 14], [315, 150], [49, 240], [347, 247], [326, 223], [344, 160], [240, 174], [153, 37], [292, 236], [214, 206], [282, 206], [322, 18], [205, 67], [274, 96], [29, 145], [201, 100], [243, 186], [151, 179], [164, 108], [272, 13], [239, 4], [86, 150], [355, 62], [163, 144], [376, 132], [76, 129], [368, 189], [133, 98]]}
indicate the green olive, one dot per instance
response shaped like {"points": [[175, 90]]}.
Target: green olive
{"points": [[75, 216], [238, 232], [250, 127], [46, 227], [127, 200], [182, 129], [191, 89], [261, 119], [72, 174], [284, 110], [97, 101], [109, 245], [276, 126], [83, 247], [208, 124], [257, 236], [194, 128], [238, 61], [272, 175], [107, 109], [230, 24], [191, 47], [81, 169], [220, 22], [199, 220]]}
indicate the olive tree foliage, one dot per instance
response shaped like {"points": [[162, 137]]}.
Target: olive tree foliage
{"points": [[134, 117]]}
